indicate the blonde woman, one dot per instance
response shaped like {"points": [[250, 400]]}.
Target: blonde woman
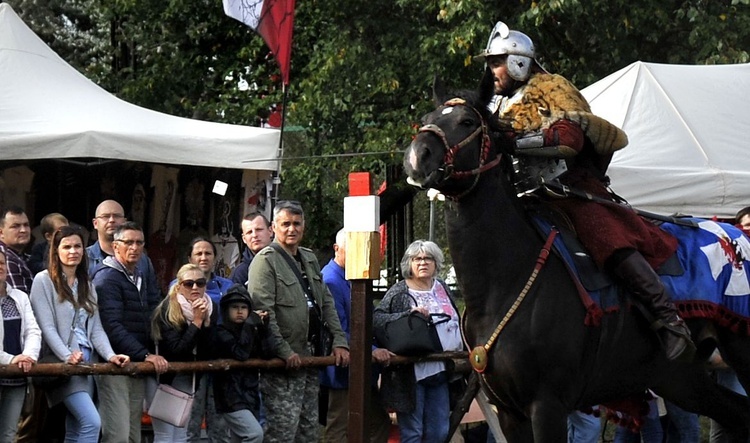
{"points": [[182, 327]]}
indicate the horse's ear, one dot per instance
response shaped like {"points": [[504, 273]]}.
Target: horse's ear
{"points": [[438, 91], [487, 86]]}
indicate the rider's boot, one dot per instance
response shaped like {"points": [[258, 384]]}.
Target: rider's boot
{"points": [[644, 283]]}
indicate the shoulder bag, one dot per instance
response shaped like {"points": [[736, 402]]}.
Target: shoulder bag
{"points": [[323, 340], [49, 382], [413, 334], [171, 405]]}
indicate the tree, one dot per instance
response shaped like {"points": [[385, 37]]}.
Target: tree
{"points": [[361, 78]]}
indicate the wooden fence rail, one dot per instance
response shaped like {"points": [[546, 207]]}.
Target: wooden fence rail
{"points": [[459, 359]]}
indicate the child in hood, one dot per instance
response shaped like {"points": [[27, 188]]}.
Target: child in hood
{"points": [[242, 335]]}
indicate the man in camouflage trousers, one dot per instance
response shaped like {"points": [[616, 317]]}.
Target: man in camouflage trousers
{"points": [[285, 280]]}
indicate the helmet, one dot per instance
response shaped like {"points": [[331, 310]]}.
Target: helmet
{"points": [[517, 45]]}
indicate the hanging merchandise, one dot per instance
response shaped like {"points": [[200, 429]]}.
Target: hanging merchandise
{"points": [[15, 185], [162, 245], [227, 247]]}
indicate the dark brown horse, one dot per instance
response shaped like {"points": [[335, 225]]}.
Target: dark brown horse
{"points": [[545, 362]]}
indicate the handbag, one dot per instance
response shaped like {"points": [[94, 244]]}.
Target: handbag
{"points": [[414, 334], [49, 382], [171, 405]]}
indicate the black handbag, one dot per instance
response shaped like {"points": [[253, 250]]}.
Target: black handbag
{"points": [[413, 334], [49, 382]]}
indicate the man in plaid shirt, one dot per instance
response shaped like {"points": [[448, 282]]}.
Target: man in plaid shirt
{"points": [[15, 234]]}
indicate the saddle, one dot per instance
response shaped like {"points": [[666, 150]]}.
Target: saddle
{"points": [[598, 290]]}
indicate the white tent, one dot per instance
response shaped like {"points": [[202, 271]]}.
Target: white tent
{"points": [[688, 128], [49, 110]]}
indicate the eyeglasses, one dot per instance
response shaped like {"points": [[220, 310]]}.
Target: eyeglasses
{"points": [[109, 216], [201, 282], [129, 243], [422, 260]]}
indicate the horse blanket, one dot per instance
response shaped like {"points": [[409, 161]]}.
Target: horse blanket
{"points": [[714, 282]]}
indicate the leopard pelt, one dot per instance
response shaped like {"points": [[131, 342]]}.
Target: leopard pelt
{"points": [[547, 98]]}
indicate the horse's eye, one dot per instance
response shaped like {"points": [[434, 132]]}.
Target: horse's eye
{"points": [[468, 122]]}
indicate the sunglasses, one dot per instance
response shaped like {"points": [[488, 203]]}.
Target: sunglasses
{"points": [[201, 282]]}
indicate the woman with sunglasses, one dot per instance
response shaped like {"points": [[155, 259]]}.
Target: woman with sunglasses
{"points": [[65, 305], [182, 327]]}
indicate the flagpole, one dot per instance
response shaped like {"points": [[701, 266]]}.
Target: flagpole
{"points": [[277, 174]]}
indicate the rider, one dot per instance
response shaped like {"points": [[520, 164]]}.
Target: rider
{"points": [[547, 115]]}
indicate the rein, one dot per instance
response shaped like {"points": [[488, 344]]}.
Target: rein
{"points": [[451, 151], [478, 355]]}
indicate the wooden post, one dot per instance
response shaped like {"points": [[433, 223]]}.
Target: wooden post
{"points": [[361, 222]]}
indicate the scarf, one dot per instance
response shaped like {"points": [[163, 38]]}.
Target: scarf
{"points": [[187, 308]]}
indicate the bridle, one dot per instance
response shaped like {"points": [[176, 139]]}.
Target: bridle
{"points": [[448, 169]]}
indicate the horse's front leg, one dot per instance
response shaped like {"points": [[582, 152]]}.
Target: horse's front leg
{"points": [[516, 428], [549, 421]]}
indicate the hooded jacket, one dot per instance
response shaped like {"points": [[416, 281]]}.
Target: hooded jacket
{"points": [[237, 390]]}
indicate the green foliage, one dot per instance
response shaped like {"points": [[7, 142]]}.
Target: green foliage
{"points": [[360, 76]]}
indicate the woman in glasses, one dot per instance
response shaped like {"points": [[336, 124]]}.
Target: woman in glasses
{"points": [[202, 253], [182, 327], [65, 305], [419, 392]]}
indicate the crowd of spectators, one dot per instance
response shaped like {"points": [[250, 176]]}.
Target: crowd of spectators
{"points": [[101, 303]]}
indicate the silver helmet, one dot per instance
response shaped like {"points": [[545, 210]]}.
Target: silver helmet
{"points": [[517, 45]]}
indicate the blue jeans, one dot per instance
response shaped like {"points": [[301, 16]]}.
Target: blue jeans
{"points": [[583, 428], [683, 426], [651, 430], [429, 421], [82, 423], [11, 403], [243, 427]]}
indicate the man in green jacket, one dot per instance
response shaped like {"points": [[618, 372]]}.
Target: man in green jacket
{"points": [[285, 280]]}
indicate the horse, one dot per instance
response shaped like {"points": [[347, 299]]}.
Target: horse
{"points": [[543, 361]]}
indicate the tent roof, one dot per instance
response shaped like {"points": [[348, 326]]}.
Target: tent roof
{"points": [[50, 110], [687, 127]]}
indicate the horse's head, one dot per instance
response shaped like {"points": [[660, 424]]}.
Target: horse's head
{"points": [[454, 145]]}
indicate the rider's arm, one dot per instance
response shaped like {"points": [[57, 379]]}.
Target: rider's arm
{"points": [[563, 138]]}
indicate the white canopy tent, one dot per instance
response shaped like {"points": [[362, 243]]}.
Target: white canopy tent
{"points": [[688, 128], [48, 110]]}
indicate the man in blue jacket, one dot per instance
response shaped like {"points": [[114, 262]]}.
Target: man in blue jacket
{"points": [[336, 378], [109, 215], [126, 302]]}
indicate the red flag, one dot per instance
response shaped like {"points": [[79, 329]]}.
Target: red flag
{"points": [[273, 20]]}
